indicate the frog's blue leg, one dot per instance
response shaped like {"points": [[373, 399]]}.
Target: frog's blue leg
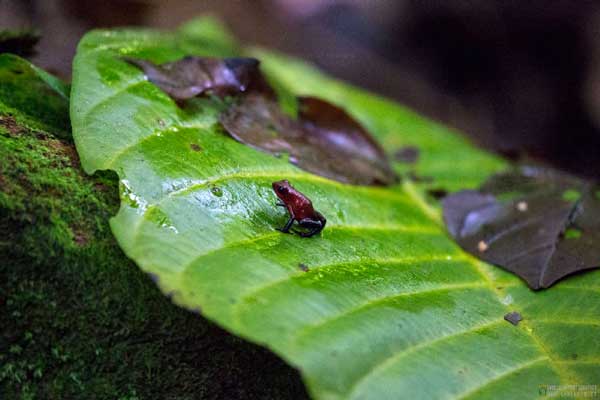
{"points": [[313, 226], [287, 226]]}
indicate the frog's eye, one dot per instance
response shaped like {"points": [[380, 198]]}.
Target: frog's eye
{"points": [[282, 189]]}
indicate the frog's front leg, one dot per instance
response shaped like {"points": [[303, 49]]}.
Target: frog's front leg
{"points": [[287, 226], [280, 203], [314, 226]]}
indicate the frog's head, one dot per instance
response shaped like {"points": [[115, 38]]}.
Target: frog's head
{"points": [[282, 189]]}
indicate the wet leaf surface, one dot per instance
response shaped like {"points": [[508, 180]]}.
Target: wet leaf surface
{"points": [[537, 223], [324, 140], [194, 76], [389, 301]]}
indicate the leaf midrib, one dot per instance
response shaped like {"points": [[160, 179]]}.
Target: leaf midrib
{"points": [[376, 300], [511, 371]]}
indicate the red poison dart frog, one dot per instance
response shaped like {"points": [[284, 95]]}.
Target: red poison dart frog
{"points": [[300, 209]]}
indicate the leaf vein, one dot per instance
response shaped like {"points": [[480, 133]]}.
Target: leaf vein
{"points": [[378, 300], [90, 111], [394, 357], [499, 377], [277, 233]]}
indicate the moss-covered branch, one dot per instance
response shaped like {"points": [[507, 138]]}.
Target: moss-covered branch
{"points": [[79, 320]]}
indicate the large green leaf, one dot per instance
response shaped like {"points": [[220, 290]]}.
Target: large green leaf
{"points": [[390, 308]]}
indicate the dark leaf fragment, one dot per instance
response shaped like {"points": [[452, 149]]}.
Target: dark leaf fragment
{"points": [[258, 122], [538, 223], [333, 126], [324, 139], [195, 76], [513, 317], [407, 154], [195, 147]]}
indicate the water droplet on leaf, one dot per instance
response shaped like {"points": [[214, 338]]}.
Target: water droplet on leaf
{"points": [[216, 190]]}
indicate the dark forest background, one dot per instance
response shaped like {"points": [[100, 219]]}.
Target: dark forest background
{"points": [[521, 78]]}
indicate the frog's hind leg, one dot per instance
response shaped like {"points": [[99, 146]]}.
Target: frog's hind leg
{"points": [[313, 227]]}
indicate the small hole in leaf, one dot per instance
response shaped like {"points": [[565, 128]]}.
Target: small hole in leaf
{"points": [[437, 193], [303, 267]]}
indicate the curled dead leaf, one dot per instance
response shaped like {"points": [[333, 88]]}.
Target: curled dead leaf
{"points": [[324, 140], [195, 76], [524, 221]]}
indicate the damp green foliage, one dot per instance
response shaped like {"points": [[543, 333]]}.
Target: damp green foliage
{"points": [[571, 195], [572, 233], [79, 320], [387, 306]]}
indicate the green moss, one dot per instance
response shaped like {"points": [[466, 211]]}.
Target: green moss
{"points": [[32, 97], [79, 320]]}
